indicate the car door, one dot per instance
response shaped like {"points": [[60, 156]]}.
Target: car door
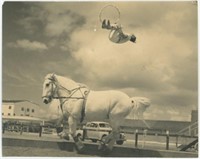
{"points": [[92, 131]]}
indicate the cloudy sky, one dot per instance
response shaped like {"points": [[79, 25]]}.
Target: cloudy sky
{"points": [[66, 38]]}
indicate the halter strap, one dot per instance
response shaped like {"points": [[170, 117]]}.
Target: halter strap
{"points": [[72, 92], [84, 97], [83, 107]]}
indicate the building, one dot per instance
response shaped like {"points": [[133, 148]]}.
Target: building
{"points": [[17, 114], [8, 109], [20, 109], [194, 116], [161, 126], [157, 126]]}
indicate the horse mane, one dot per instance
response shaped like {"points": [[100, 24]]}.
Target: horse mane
{"points": [[63, 81]]}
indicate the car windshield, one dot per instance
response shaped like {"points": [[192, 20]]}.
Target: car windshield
{"points": [[104, 125], [92, 125]]}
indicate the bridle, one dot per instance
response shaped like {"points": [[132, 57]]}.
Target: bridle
{"points": [[52, 90], [71, 92]]}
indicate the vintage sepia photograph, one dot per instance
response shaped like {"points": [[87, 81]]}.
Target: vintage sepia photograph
{"points": [[100, 79]]}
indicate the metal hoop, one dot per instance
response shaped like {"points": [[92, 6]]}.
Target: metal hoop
{"points": [[100, 14]]}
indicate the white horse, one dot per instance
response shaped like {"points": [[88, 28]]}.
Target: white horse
{"points": [[80, 103]]}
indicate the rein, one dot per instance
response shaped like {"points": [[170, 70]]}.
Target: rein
{"points": [[71, 93]]}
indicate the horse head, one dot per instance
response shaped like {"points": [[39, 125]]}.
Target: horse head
{"points": [[59, 87], [49, 88]]}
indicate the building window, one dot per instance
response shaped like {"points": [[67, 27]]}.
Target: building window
{"points": [[21, 114], [9, 107], [27, 109], [33, 110], [22, 109], [2, 113], [14, 114], [8, 114]]}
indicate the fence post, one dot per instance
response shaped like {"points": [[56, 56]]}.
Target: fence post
{"points": [[136, 138], [144, 137], [167, 140], [84, 134], [40, 131], [3, 128], [21, 129], [177, 141]]}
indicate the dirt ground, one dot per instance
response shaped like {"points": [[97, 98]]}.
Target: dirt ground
{"points": [[151, 142], [11, 151]]}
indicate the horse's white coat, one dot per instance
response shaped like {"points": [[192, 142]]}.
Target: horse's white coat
{"points": [[98, 105], [140, 106]]}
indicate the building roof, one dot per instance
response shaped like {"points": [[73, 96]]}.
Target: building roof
{"points": [[19, 101], [21, 118], [172, 126]]}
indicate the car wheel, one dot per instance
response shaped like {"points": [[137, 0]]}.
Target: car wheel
{"points": [[94, 140], [59, 129], [103, 137], [119, 142]]}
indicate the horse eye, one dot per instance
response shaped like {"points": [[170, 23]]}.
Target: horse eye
{"points": [[47, 85]]}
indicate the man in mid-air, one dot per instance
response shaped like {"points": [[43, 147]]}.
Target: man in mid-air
{"points": [[116, 34]]}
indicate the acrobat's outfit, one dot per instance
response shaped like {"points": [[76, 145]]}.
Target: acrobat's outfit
{"points": [[116, 34]]}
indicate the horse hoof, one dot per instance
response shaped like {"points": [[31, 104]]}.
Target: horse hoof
{"points": [[79, 147], [106, 152], [104, 149], [64, 136]]}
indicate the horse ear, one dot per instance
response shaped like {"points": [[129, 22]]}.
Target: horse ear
{"points": [[53, 77]]}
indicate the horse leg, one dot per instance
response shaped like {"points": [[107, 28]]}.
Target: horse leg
{"points": [[104, 142], [108, 142], [72, 131], [63, 133], [115, 136], [106, 145]]}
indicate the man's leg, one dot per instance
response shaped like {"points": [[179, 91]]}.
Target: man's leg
{"points": [[104, 24], [108, 25]]}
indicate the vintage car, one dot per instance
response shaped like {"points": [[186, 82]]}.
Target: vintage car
{"points": [[97, 130]]}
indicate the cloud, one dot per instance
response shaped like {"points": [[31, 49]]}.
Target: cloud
{"points": [[185, 71], [162, 65], [146, 64], [29, 24], [51, 19], [62, 23], [168, 113], [28, 45]]}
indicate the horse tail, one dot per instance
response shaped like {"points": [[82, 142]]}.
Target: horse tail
{"points": [[140, 102], [139, 106]]}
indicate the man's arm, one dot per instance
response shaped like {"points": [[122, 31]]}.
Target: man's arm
{"points": [[109, 26]]}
